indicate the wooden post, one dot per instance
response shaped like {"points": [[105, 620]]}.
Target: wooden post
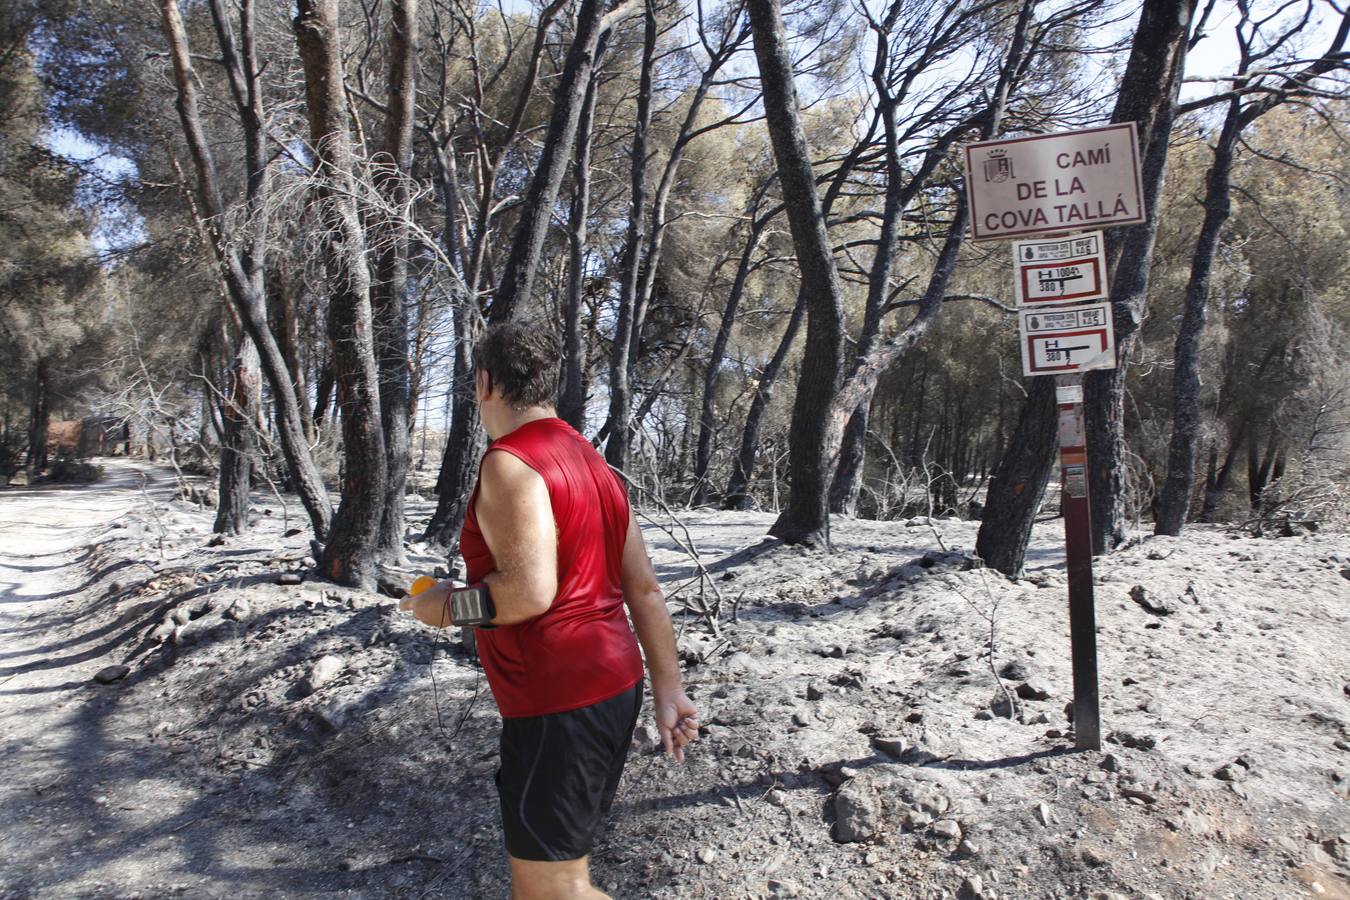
{"points": [[1078, 544]]}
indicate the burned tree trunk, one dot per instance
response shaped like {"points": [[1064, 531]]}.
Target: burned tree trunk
{"points": [[1147, 96], [391, 273], [351, 552], [1175, 499], [706, 421], [39, 421], [239, 439], [527, 245], [806, 518], [737, 495], [1018, 483], [620, 362], [572, 392]]}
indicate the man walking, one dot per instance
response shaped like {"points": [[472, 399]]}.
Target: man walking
{"points": [[554, 554]]}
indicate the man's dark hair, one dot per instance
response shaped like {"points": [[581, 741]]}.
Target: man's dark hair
{"points": [[521, 360]]}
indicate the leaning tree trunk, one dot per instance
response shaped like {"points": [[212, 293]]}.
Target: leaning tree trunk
{"points": [[391, 273], [350, 555], [1147, 96], [1175, 500], [737, 495], [40, 419], [239, 440], [806, 517]]}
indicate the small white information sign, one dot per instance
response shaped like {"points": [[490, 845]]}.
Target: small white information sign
{"points": [[1054, 182], [1072, 339], [1060, 270]]}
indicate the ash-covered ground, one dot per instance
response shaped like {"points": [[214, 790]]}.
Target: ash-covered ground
{"points": [[286, 739]]}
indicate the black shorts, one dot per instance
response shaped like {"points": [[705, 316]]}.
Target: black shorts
{"points": [[559, 774]]}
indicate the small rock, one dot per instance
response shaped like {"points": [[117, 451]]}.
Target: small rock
{"points": [[1033, 689], [972, 888], [1231, 772], [776, 798], [967, 848], [216, 541], [947, 828], [321, 673], [290, 578], [706, 855], [891, 745], [1110, 763], [1149, 601], [800, 720], [1137, 794], [814, 693], [180, 615], [1043, 814], [857, 812], [109, 674], [1133, 741], [162, 632], [779, 888]]}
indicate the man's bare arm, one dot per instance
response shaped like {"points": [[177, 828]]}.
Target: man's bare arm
{"points": [[516, 518], [676, 717]]}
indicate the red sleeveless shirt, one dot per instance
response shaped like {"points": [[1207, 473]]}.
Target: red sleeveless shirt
{"points": [[582, 650]]}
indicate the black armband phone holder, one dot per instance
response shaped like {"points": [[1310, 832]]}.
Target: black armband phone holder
{"points": [[472, 605]]}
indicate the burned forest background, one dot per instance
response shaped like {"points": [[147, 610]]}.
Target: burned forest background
{"points": [[260, 247]]}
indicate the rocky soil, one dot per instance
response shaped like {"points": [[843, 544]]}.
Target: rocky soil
{"points": [[182, 715]]}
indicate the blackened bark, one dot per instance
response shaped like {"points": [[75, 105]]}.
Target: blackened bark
{"points": [[527, 245], [239, 440], [620, 361], [1147, 97], [391, 273], [1019, 481], [1175, 498], [39, 420], [737, 495], [350, 555], [806, 517]]}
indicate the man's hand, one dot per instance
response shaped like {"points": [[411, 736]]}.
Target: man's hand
{"points": [[431, 606], [677, 721]]}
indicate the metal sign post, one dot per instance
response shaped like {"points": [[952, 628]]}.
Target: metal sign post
{"points": [[1078, 546], [1041, 187]]}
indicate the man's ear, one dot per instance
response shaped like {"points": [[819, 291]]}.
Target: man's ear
{"points": [[482, 382]]}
